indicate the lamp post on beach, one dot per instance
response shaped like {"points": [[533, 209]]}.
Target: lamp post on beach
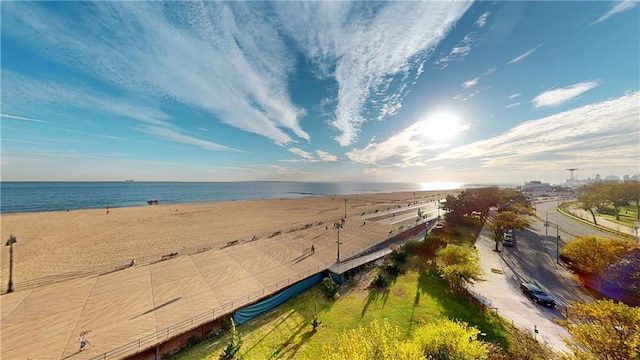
{"points": [[10, 241], [345, 208], [338, 226]]}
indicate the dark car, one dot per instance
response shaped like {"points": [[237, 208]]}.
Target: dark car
{"points": [[537, 295]]}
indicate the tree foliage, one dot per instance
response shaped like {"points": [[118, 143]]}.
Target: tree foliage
{"points": [[602, 194], [442, 339], [231, 350], [459, 265], [503, 221], [591, 254], [604, 330]]}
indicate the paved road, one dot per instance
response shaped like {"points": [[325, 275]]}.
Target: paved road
{"points": [[533, 259]]}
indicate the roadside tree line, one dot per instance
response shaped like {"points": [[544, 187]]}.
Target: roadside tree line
{"points": [[602, 195]]}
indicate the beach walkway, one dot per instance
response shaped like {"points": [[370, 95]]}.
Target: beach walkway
{"points": [[135, 308]]}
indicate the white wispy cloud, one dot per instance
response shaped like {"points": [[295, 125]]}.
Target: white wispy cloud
{"points": [[604, 131], [458, 52], [409, 147], [364, 50], [522, 56], [471, 83], [512, 105], [223, 58], [325, 156], [482, 20], [21, 92], [619, 7], [559, 96], [513, 96], [303, 154], [22, 118]]}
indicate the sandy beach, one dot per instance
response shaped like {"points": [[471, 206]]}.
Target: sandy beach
{"points": [[50, 243]]}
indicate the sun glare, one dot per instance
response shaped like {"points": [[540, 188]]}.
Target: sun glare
{"points": [[442, 126]]}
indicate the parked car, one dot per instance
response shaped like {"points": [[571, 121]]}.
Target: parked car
{"points": [[508, 242], [537, 295]]}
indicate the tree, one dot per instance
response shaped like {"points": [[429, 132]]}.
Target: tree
{"points": [[631, 190], [234, 343], [504, 221], [459, 265], [604, 330], [588, 199], [441, 339], [591, 254]]}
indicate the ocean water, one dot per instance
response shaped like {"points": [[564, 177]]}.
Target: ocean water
{"points": [[16, 197]]}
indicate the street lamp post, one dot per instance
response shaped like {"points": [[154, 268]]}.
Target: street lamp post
{"points": [[557, 244], [546, 226], [338, 226], [10, 241], [345, 208]]}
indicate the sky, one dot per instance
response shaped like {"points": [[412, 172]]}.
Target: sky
{"points": [[423, 92]]}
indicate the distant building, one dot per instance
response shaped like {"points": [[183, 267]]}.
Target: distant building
{"points": [[537, 188]]}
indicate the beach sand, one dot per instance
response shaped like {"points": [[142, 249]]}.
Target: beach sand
{"points": [[50, 243]]}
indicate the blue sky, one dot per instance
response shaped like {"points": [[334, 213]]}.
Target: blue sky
{"points": [[485, 92]]}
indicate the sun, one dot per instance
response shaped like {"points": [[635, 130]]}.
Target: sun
{"points": [[442, 126]]}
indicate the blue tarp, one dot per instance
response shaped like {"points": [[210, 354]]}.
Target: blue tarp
{"points": [[251, 311]]}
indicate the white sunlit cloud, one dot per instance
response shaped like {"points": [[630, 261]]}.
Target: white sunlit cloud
{"points": [[325, 156], [482, 20], [364, 51], [619, 7], [579, 137], [559, 96], [521, 57], [512, 105], [513, 96], [194, 53], [303, 154], [410, 146]]}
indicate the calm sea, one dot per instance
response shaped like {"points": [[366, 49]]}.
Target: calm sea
{"points": [[16, 197]]}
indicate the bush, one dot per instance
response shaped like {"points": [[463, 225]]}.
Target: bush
{"points": [[330, 288], [381, 280]]}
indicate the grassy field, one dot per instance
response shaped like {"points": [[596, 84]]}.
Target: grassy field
{"points": [[416, 297], [628, 216]]}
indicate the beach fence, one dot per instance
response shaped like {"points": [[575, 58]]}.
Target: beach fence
{"points": [[180, 328]]}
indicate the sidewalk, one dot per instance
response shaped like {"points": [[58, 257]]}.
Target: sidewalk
{"points": [[500, 293], [602, 222]]}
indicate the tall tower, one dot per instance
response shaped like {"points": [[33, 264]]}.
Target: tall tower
{"points": [[572, 170]]}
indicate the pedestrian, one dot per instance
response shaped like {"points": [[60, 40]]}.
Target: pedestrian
{"points": [[83, 340]]}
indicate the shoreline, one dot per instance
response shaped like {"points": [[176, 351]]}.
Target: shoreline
{"points": [[55, 242]]}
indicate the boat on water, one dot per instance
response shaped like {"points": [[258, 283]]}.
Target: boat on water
{"points": [[129, 180]]}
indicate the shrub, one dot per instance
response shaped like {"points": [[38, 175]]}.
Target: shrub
{"points": [[381, 280], [330, 288]]}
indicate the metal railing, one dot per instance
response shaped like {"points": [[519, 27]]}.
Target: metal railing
{"points": [[163, 335]]}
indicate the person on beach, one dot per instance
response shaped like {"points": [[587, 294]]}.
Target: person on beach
{"points": [[83, 340], [313, 249]]}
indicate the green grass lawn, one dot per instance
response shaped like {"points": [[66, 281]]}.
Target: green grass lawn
{"points": [[414, 298], [628, 216]]}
